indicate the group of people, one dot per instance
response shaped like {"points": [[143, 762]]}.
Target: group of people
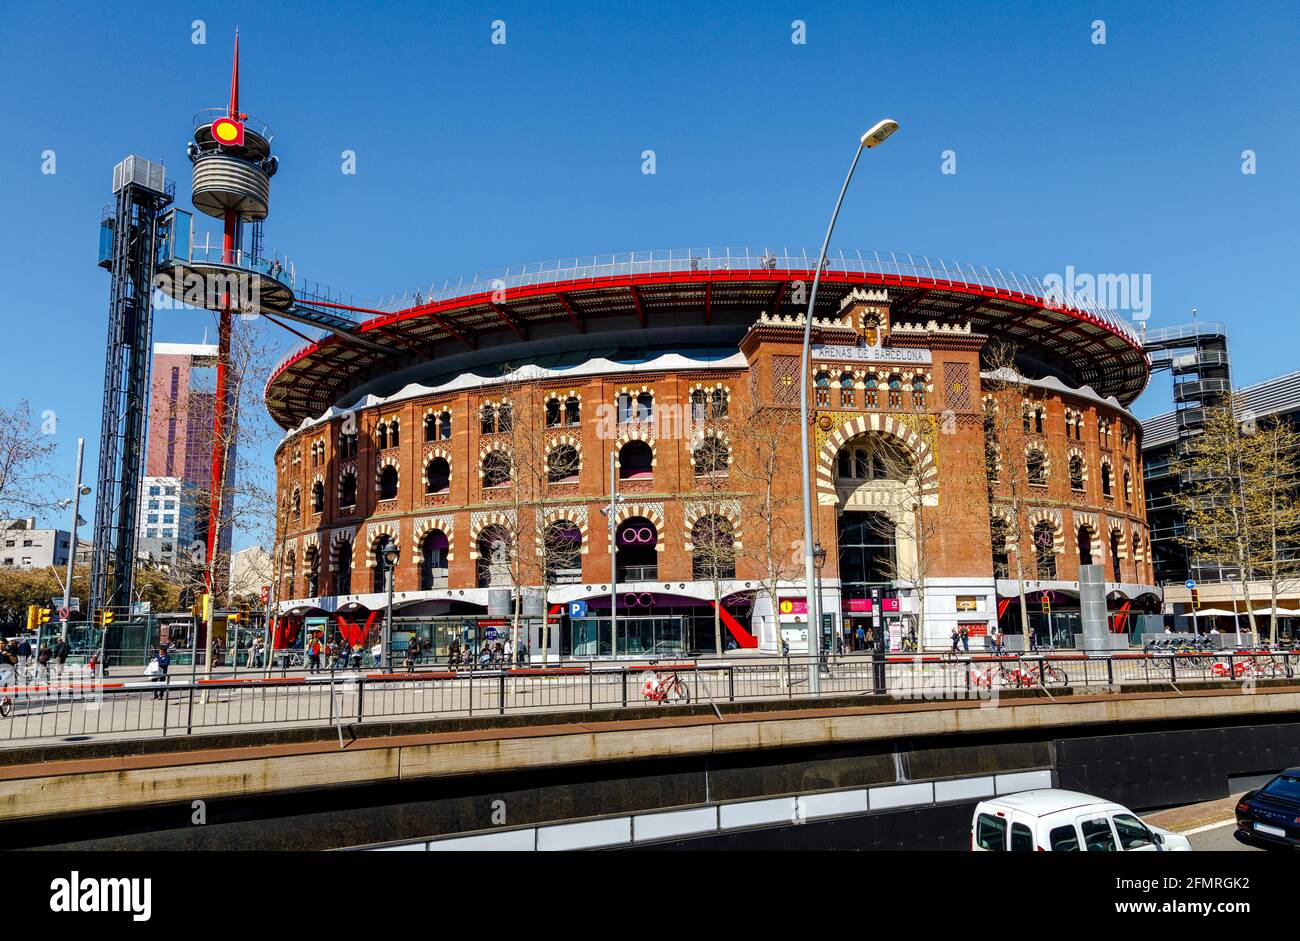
{"points": [[25, 662], [490, 655]]}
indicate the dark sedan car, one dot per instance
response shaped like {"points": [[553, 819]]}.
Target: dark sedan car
{"points": [[1270, 816]]}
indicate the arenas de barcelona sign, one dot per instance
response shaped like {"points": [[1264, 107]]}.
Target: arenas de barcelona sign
{"points": [[872, 354]]}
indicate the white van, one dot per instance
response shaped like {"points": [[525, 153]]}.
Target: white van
{"points": [[1064, 821]]}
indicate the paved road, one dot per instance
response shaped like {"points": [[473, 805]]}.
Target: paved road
{"points": [[1209, 825]]}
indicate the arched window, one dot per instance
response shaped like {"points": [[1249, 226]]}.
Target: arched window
{"points": [[572, 411], [719, 403], [430, 427], [290, 569], [378, 579], [1036, 467], [347, 444], [624, 405], [918, 392], [381, 435], [1076, 472], [844, 469], [312, 559], [297, 503], [895, 392], [1038, 420], [437, 476], [1116, 571], [1128, 486], [872, 396], [388, 483], [1045, 549], [699, 405], [847, 396], [433, 567], [562, 549], [1085, 546], [823, 389], [635, 461], [712, 457], [496, 469], [1001, 558], [714, 555], [393, 433], [493, 557], [861, 465], [1105, 479], [645, 406], [554, 414], [348, 490], [343, 568], [505, 418], [487, 420], [317, 497], [444, 426], [562, 465]]}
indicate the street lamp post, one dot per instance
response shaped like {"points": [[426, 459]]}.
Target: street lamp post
{"points": [[819, 562], [1236, 623], [391, 552], [877, 135], [77, 493]]}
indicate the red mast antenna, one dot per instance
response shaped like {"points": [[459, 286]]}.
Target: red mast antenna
{"points": [[234, 82]]}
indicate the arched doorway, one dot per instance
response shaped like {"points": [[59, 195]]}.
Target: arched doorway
{"points": [[637, 560], [493, 557], [433, 564], [562, 548]]}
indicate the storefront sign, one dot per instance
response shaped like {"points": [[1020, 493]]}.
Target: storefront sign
{"points": [[968, 603], [889, 604], [976, 628], [858, 605], [793, 606]]}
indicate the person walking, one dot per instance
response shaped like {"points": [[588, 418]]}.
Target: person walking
{"points": [[860, 638], [313, 655], [24, 658], [507, 653], [159, 673], [965, 639], [61, 651], [356, 655], [412, 653], [956, 639], [43, 657]]}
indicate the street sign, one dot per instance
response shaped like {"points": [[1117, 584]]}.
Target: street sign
{"points": [[63, 614], [74, 604], [1190, 583], [577, 609]]}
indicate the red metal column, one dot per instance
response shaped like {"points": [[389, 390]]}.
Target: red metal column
{"points": [[220, 420]]}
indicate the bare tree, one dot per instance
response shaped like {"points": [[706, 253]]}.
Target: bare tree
{"points": [[771, 500], [25, 454], [712, 504], [1006, 438]]}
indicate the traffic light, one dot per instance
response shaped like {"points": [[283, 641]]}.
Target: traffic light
{"points": [[206, 610], [43, 615], [1196, 599], [232, 617], [1047, 604], [108, 618], [31, 617]]}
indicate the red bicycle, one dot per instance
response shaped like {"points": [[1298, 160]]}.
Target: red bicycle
{"points": [[666, 688]]}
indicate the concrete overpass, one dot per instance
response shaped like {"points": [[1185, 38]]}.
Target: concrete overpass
{"points": [[415, 781]]}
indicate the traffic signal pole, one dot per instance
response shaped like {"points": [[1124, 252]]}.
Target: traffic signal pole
{"points": [[72, 551]]}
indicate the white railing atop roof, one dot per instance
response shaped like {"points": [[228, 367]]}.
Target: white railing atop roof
{"points": [[667, 261]]}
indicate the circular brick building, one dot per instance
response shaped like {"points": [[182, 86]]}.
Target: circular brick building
{"points": [[970, 439]]}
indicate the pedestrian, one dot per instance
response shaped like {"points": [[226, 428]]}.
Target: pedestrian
{"points": [[453, 653], [157, 669], [956, 639], [8, 664], [839, 643], [24, 657], [412, 654], [523, 656], [507, 652], [43, 662], [860, 638], [313, 655], [965, 639], [356, 656], [377, 655], [61, 650], [869, 642]]}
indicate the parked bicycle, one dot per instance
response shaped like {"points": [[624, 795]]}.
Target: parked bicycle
{"points": [[667, 687]]}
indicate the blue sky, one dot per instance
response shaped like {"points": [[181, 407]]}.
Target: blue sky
{"points": [[1122, 157]]}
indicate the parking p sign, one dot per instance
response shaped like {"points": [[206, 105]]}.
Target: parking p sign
{"points": [[577, 609]]}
